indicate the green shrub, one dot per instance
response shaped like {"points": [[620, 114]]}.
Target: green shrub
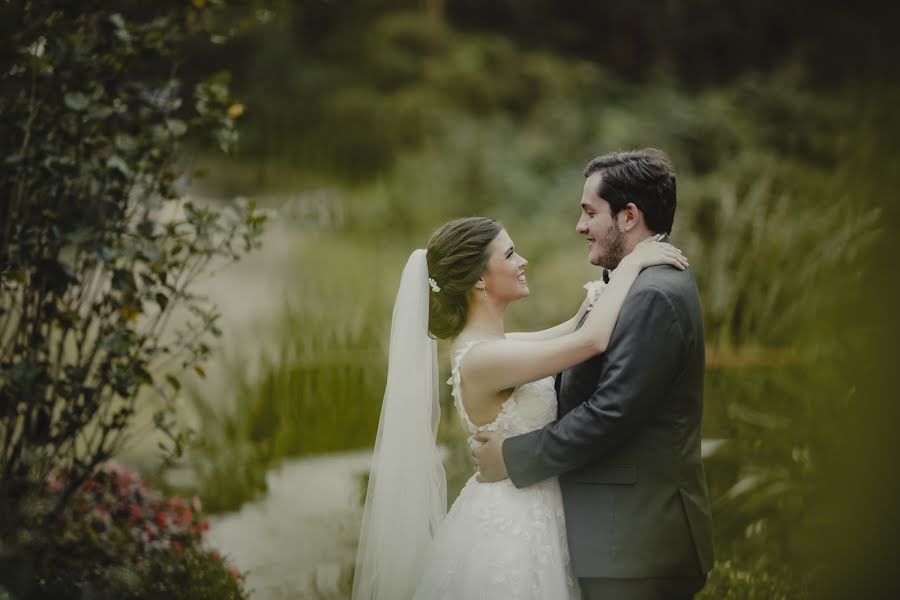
{"points": [[730, 581], [118, 539], [97, 249]]}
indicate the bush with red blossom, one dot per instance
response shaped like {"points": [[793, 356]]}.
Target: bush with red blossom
{"points": [[117, 538]]}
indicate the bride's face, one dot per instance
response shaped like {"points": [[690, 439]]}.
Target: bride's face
{"points": [[504, 278]]}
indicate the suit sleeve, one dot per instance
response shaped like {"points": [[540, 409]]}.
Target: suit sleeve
{"points": [[642, 362]]}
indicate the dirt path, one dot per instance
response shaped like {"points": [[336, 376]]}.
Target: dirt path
{"points": [[298, 542]]}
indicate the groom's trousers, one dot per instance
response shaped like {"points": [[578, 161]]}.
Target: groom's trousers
{"points": [[673, 588]]}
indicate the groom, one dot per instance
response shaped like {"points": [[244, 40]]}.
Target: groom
{"points": [[626, 444]]}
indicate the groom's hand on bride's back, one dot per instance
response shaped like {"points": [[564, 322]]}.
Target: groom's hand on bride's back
{"points": [[489, 465]]}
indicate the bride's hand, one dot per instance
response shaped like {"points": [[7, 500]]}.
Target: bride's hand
{"points": [[652, 252]]}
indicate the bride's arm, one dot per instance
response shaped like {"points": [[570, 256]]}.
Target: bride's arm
{"points": [[552, 332], [502, 364]]}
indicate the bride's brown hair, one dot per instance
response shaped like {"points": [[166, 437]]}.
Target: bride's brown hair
{"points": [[457, 256]]}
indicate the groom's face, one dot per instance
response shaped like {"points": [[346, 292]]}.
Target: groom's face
{"points": [[606, 242]]}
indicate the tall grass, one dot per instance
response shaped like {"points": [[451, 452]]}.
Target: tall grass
{"points": [[318, 391]]}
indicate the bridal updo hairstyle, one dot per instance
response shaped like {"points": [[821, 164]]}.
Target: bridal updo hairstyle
{"points": [[457, 256]]}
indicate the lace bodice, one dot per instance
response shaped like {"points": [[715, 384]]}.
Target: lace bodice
{"points": [[530, 406], [499, 541]]}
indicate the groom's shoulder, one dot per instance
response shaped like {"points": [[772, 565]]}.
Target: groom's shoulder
{"points": [[666, 278], [667, 281]]}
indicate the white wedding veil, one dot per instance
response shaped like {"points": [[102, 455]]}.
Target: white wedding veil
{"points": [[407, 497]]}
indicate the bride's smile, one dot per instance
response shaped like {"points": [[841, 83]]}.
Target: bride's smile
{"points": [[504, 278]]}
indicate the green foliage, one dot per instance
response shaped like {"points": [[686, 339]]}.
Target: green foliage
{"points": [[764, 581], [752, 195], [97, 250], [372, 78], [117, 539]]}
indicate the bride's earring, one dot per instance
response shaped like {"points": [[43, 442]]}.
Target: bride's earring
{"points": [[484, 292]]}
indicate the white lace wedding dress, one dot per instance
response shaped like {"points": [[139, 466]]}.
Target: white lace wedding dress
{"points": [[498, 542]]}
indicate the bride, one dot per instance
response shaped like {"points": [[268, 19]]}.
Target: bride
{"points": [[496, 541]]}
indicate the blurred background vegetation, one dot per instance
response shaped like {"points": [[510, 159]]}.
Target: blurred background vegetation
{"points": [[375, 121], [366, 124]]}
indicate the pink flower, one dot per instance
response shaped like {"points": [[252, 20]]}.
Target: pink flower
{"points": [[195, 502], [185, 516], [54, 483], [235, 572], [127, 482]]}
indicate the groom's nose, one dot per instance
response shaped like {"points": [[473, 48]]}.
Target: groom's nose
{"points": [[581, 226]]}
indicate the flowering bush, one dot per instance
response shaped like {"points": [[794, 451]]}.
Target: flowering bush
{"points": [[98, 245], [118, 538]]}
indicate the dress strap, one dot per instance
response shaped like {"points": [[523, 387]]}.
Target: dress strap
{"points": [[456, 382]]}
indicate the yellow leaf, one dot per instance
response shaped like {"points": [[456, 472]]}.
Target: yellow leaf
{"points": [[130, 312], [199, 3], [235, 110]]}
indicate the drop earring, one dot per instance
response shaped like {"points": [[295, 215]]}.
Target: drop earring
{"points": [[484, 292]]}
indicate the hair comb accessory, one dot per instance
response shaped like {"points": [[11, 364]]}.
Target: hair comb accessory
{"points": [[434, 286]]}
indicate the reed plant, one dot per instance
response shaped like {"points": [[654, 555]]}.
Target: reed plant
{"points": [[319, 388]]}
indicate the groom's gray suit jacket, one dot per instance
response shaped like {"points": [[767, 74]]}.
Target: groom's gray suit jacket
{"points": [[626, 444]]}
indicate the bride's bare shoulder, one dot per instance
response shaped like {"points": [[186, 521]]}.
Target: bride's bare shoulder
{"points": [[465, 340]]}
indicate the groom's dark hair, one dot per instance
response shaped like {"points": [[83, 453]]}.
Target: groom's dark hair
{"points": [[645, 177]]}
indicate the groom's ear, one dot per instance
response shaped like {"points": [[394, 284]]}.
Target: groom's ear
{"points": [[630, 217]]}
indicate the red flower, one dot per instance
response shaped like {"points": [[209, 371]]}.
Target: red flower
{"points": [[204, 525], [162, 518], [136, 512]]}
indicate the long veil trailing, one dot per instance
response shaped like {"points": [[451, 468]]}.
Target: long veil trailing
{"points": [[406, 498]]}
